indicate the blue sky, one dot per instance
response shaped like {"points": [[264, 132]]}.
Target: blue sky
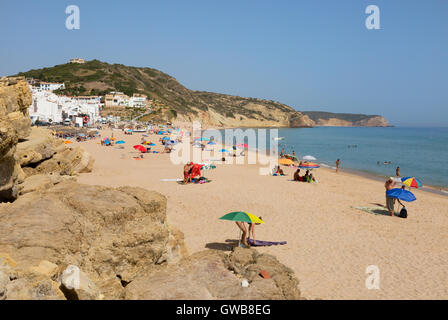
{"points": [[312, 55]]}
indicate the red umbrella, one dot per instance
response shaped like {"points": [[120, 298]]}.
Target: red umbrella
{"points": [[140, 148]]}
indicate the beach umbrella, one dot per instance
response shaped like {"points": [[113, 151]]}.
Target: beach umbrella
{"points": [[120, 142], [286, 162], [412, 182], [152, 144], [212, 143], [309, 158], [68, 142], [401, 194], [243, 145], [242, 216], [140, 148], [309, 166], [113, 139], [165, 138], [81, 135], [224, 150]]}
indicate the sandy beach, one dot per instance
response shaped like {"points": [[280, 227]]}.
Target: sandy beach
{"points": [[330, 244]]}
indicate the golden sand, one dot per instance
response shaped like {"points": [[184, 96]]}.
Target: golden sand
{"points": [[330, 244]]}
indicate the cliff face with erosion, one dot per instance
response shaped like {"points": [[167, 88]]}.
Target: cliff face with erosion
{"points": [[15, 98], [328, 119], [26, 151]]}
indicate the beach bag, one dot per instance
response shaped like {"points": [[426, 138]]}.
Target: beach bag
{"points": [[403, 213]]}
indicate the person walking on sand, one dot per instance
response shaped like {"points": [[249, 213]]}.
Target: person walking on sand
{"points": [[338, 163], [390, 202]]}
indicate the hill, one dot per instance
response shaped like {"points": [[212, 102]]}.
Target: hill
{"points": [[346, 119], [172, 101]]}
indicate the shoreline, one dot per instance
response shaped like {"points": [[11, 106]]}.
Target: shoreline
{"points": [[329, 242]]}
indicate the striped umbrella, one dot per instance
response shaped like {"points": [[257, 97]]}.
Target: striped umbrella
{"points": [[309, 165], [412, 182]]}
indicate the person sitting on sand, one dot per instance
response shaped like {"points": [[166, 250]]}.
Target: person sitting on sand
{"points": [[187, 172], [279, 171], [306, 176], [297, 175]]}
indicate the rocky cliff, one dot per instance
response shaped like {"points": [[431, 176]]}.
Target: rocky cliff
{"points": [[328, 119], [15, 98], [26, 151]]}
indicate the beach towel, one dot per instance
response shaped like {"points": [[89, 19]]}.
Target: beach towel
{"points": [[260, 243]]}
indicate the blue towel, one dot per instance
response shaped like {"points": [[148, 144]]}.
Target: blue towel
{"points": [[260, 243]]}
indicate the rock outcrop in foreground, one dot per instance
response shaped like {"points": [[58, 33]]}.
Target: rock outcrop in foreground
{"points": [[119, 246], [15, 98], [26, 151]]}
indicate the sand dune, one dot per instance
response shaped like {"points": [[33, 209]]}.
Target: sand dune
{"points": [[330, 244]]}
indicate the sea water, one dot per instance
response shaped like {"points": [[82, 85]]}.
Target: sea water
{"points": [[419, 152]]}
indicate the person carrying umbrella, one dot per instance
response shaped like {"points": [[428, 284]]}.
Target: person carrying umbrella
{"points": [[390, 201]]}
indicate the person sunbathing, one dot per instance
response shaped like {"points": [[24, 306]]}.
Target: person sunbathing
{"points": [[297, 175], [187, 172]]}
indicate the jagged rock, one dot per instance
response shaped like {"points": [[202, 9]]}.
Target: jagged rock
{"points": [[106, 232], [36, 183], [33, 287], [77, 286], [15, 97], [36, 148], [208, 275], [45, 268]]}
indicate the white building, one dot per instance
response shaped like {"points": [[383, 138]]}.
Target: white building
{"points": [[116, 99], [49, 107], [51, 86], [138, 101], [77, 60]]}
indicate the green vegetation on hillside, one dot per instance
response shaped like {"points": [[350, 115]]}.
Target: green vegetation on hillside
{"points": [[98, 78]]}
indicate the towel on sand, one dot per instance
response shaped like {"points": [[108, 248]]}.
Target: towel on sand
{"points": [[260, 243]]}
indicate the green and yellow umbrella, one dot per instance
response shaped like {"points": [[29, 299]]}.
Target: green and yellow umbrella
{"points": [[242, 216]]}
